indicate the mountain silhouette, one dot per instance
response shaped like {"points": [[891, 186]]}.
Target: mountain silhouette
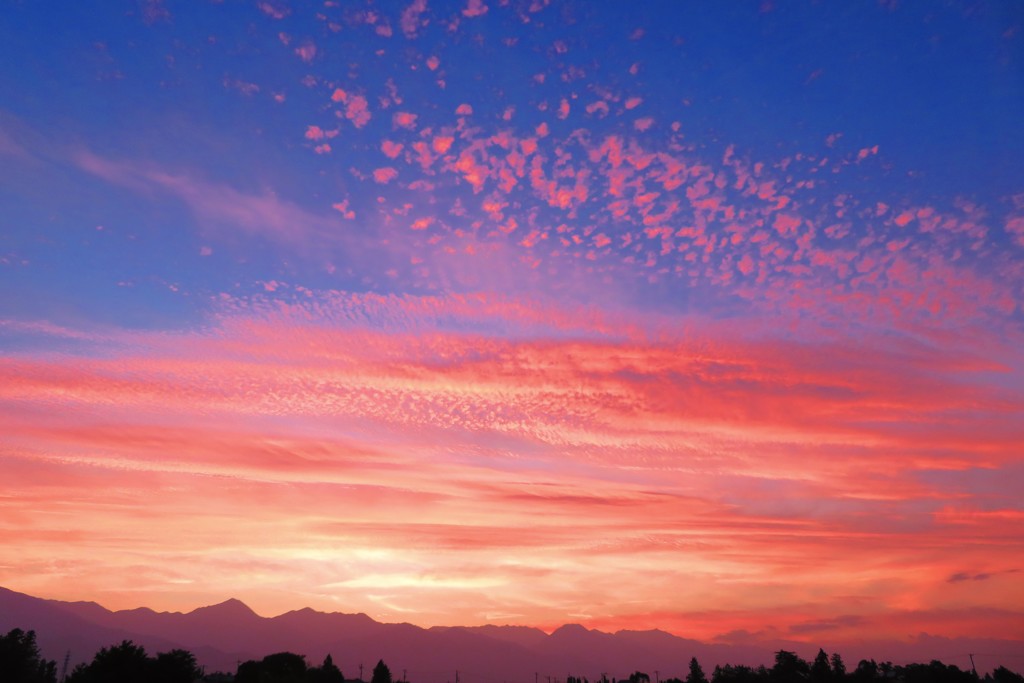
{"points": [[224, 634]]}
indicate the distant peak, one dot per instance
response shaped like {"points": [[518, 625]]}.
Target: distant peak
{"points": [[232, 607], [134, 610], [570, 629]]}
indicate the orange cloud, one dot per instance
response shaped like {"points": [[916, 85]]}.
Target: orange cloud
{"points": [[442, 143], [693, 463]]}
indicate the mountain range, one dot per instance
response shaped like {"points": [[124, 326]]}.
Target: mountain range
{"points": [[225, 634]]}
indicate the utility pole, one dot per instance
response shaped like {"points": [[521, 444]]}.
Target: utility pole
{"points": [[972, 665], [403, 675], [64, 669], [657, 676], [456, 676], [360, 671]]}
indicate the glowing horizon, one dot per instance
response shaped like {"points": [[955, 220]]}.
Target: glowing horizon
{"points": [[518, 312]]}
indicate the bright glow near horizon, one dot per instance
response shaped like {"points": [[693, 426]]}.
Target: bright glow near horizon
{"points": [[694, 316]]}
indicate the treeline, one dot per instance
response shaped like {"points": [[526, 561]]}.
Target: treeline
{"points": [[21, 662]]}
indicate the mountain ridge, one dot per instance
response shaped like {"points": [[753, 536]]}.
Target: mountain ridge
{"points": [[226, 633]]}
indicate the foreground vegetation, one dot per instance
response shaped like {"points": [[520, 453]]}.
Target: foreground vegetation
{"points": [[21, 662]]}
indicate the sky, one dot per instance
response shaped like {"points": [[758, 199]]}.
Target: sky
{"points": [[704, 317]]}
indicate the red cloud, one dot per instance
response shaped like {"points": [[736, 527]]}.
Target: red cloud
{"points": [[391, 149], [786, 224], [356, 386], [384, 175], [442, 143], [357, 110], [563, 109], [404, 119]]}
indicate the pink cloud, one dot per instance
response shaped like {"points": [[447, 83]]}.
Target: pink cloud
{"points": [[384, 175], [410, 21], [866, 152], [249, 425], [274, 8], [342, 208], [904, 219], [357, 110], [643, 124], [786, 224], [423, 155], [442, 143], [306, 52], [563, 109], [391, 149], [222, 210], [404, 119], [1014, 226], [472, 171], [475, 8]]}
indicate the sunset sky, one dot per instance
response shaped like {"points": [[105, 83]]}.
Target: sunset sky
{"points": [[701, 316]]}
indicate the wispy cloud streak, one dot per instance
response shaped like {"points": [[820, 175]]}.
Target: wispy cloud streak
{"points": [[699, 461]]}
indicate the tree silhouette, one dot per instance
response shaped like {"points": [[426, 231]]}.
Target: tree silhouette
{"points": [[838, 668], [821, 670], [331, 673], [1004, 675], [20, 661], [381, 673], [934, 672], [129, 663], [789, 668], [124, 663], [176, 666], [738, 674], [866, 670], [325, 673], [696, 674], [281, 667]]}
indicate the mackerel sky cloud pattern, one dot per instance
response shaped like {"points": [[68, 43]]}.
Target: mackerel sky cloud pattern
{"points": [[659, 315]]}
